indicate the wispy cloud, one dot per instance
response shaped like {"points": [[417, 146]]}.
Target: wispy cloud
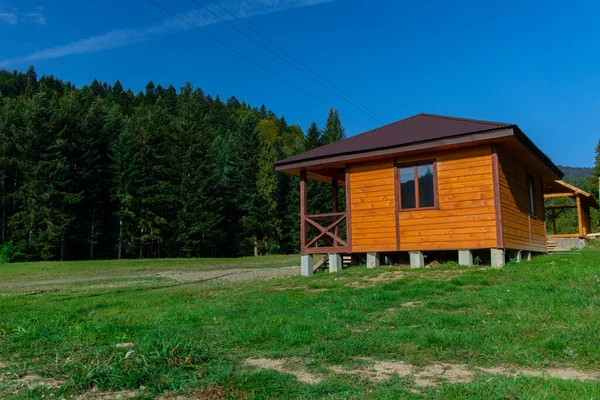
{"points": [[125, 37], [8, 18], [36, 17], [13, 17]]}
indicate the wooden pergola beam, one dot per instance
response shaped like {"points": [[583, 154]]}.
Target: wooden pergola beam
{"points": [[553, 195]]}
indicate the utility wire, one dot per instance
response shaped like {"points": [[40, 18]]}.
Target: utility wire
{"points": [[344, 97], [252, 61], [365, 108]]}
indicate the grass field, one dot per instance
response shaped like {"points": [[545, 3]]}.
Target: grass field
{"points": [[176, 329]]}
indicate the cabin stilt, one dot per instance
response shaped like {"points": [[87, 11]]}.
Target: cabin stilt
{"points": [[498, 258], [417, 260], [307, 265], [372, 260], [335, 262], [465, 258]]}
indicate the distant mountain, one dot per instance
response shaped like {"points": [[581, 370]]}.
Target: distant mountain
{"points": [[576, 173]]}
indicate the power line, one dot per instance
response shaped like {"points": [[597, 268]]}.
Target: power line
{"points": [[344, 97], [251, 60], [365, 108]]}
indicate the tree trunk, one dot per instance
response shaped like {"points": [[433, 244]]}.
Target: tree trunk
{"points": [[142, 243], [120, 235], [93, 223], [3, 211], [62, 248]]}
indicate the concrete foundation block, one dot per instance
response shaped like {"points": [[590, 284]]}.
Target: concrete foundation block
{"points": [[417, 260], [465, 258], [518, 256], [527, 255], [335, 262], [498, 258], [307, 265], [372, 260]]}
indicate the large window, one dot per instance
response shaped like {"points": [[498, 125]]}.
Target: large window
{"points": [[531, 194], [417, 186]]}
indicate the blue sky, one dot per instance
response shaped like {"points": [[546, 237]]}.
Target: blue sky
{"points": [[536, 64]]}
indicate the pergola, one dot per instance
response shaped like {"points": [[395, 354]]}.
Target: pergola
{"points": [[578, 199]]}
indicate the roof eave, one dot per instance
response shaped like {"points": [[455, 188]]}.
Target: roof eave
{"points": [[537, 152], [449, 141]]}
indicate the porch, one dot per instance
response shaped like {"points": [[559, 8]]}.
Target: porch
{"points": [[326, 233]]}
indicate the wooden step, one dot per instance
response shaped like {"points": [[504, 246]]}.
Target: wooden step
{"points": [[322, 263]]}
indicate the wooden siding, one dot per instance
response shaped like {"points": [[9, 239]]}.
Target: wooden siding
{"points": [[465, 218], [372, 207], [520, 230]]}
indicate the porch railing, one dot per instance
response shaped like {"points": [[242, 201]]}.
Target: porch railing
{"points": [[329, 233]]}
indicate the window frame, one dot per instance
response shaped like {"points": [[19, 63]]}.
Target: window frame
{"points": [[415, 165], [531, 195]]}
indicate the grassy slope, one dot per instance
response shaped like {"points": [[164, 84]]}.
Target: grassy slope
{"points": [[535, 314]]}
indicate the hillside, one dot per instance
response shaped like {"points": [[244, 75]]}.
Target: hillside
{"points": [[101, 172], [574, 173]]}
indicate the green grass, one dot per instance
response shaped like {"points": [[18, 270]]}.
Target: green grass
{"points": [[196, 336]]}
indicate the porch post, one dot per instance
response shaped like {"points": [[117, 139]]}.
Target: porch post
{"points": [[579, 215], [303, 200], [334, 204]]}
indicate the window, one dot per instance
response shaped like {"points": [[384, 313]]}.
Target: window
{"points": [[531, 194], [417, 186]]}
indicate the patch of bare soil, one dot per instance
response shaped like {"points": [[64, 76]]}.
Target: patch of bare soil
{"points": [[410, 304], [424, 376], [292, 366], [386, 277], [430, 375], [211, 393], [95, 394], [447, 274], [14, 383], [560, 373], [437, 373], [230, 274]]}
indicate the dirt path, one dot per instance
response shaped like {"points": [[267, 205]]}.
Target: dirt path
{"points": [[234, 275]]}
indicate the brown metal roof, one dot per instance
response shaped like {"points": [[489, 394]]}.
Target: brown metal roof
{"points": [[415, 129], [420, 128]]}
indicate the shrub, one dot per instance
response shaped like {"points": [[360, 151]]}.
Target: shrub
{"points": [[7, 253]]}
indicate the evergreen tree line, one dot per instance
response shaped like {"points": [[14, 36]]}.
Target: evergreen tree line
{"points": [[100, 172]]}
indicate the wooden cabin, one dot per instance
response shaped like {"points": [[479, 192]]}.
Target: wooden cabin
{"points": [[427, 183]]}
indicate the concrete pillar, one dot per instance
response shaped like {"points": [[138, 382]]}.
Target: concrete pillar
{"points": [[518, 256], [465, 257], [527, 255], [335, 262], [498, 258], [372, 260], [417, 260], [307, 264]]}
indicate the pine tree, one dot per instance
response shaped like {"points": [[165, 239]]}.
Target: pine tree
{"points": [[150, 95], [243, 169], [334, 131], [195, 176], [126, 182], [313, 138], [596, 174], [267, 185]]}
